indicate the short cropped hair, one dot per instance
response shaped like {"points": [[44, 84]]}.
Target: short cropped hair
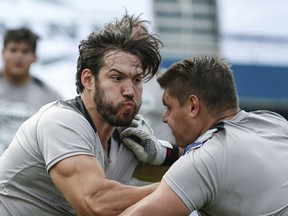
{"points": [[129, 34], [22, 34], [210, 78]]}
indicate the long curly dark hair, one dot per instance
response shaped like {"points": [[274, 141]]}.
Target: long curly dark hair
{"points": [[129, 34]]}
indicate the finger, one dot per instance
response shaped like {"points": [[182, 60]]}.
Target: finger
{"points": [[128, 132], [131, 143], [135, 138]]}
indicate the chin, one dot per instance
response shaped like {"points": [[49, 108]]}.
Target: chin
{"points": [[127, 120], [122, 121]]}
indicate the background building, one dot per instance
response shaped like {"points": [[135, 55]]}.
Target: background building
{"points": [[187, 27]]}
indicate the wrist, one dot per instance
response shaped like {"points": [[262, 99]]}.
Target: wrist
{"points": [[161, 147], [172, 155], [166, 153]]}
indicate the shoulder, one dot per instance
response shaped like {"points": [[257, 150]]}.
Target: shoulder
{"points": [[255, 122], [206, 155], [60, 110], [63, 116], [258, 115], [268, 114], [59, 120]]}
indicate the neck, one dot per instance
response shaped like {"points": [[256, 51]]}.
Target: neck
{"points": [[228, 114], [17, 79], [213, 120], [104, 129]]}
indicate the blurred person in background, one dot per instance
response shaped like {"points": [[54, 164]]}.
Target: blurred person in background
{"points": [[21, 94]]}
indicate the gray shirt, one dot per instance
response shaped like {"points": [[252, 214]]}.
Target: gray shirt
{"points": [[54, 133], [241, 170], [18, 103]]}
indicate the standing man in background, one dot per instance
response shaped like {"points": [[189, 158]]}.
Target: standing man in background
{"points": [[21, 94]]}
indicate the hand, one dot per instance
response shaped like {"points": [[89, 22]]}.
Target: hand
{"points": [[139, 138]]}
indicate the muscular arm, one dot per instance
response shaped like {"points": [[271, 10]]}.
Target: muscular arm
{"points": [[82, 181], [163, 201]]}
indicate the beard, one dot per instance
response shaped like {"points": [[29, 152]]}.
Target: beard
{"points": [[112, 113]]}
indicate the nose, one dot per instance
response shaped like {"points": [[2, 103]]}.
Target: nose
{"points": [[164, 117], [19, 54], [128, 89]]}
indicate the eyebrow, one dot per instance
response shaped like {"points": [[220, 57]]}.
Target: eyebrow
{"points": [[115, 70], [111, 70]]}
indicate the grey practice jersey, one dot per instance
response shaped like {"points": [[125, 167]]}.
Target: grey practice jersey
{"points": [[17, 104], [241, 170], [54, 133]]}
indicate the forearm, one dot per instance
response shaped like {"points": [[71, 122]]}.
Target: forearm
{"points": [[113, 198]]}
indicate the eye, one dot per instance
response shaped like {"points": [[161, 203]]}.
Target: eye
{"points": [[116, 78], [138, 80], [26, 51], [13, 50], [168, 108]]}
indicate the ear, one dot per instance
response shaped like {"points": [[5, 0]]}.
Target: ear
{"points": [[87, 79], [194, 105]]}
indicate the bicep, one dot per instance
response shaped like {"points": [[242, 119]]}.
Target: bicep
{"points": [[77, 177], [170, 203], [82, 181]]}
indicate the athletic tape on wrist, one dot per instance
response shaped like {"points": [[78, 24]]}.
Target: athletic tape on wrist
{"points": [[172, 155]]}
